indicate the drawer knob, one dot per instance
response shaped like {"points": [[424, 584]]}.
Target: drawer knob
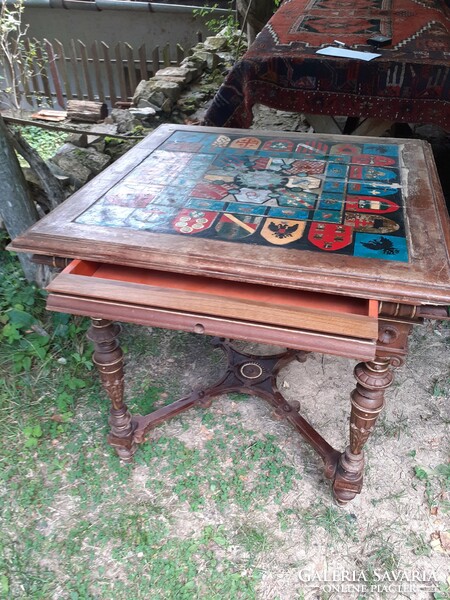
{"points": [[199, 328]]}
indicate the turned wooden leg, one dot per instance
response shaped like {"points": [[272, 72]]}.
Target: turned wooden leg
{"points": [[108, 358], [367, 402]]}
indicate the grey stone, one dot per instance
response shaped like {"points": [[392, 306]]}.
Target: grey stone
{"points": [[147, 104], [168, 88], [143, 113], [210, 58], [99, 146], [123, 119], [226, 57], [215, 43], [140, 91], [97, 142], [79, 164], [69, 164], [150, 91], [195, 72], [178, 80], [167, 106], [180, 73], [57, 171], [157, 97], [93, 139], [193, 61], [95, 161], [62, 177], [78, 139]]}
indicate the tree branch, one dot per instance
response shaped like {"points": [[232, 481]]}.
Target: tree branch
{"points": [[50, 184]]}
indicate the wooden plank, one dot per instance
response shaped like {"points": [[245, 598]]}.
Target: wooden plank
{"points": [[43, 70], [34, 78], [20, 65], [120, 72], [74, 63], [85, 65], [131, 69], [97, 72], [155, 60], [25, 74], [109, 75], [46, 116], [9, 73], [143, 62], [54, 73], [166, 55], [70, 129], [17, 77], [51, 112], [180, 53], [59, 48]]}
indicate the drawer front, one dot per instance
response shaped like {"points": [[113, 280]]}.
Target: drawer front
{"points": [[295, 339], [265, 305]]}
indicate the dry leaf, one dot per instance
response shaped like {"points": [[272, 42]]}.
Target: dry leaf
{"points": [[445, 540], [206, 433], [57, 418]]}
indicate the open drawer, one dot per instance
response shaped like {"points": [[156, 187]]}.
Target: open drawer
{"points": [[258, 304]]}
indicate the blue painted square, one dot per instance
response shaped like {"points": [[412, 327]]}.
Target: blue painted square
{"points": [[336, 171], [381, 247], [296, 199], [371, 189], [104, 215], [199, 164], [327, 216], [205, 204], [288, 213], [343, 159], [153, 219], [381, 149], [171, 196], [334, 186], [246, 209], [329, 201], [273, 154]]}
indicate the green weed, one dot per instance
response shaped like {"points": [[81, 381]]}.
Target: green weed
{"points": [[333, 521], [44, 141], [437, 485], [443, 593]]}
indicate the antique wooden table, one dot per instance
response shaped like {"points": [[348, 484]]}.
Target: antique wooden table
{"points": [[318, 244], [409, 82]]}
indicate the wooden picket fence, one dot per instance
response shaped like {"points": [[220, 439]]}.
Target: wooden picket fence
{"points": [[85, 72]]}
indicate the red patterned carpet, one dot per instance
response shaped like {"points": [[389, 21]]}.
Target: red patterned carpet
{"points": [[410, 82]]}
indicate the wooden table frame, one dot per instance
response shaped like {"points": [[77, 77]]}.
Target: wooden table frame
{"points": [[254, 375], [305, 301]]}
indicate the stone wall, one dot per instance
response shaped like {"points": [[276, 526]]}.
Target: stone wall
{"points": [[174, 94]]}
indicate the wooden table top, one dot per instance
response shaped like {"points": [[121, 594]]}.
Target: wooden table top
{"points": [[361, 217]]}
